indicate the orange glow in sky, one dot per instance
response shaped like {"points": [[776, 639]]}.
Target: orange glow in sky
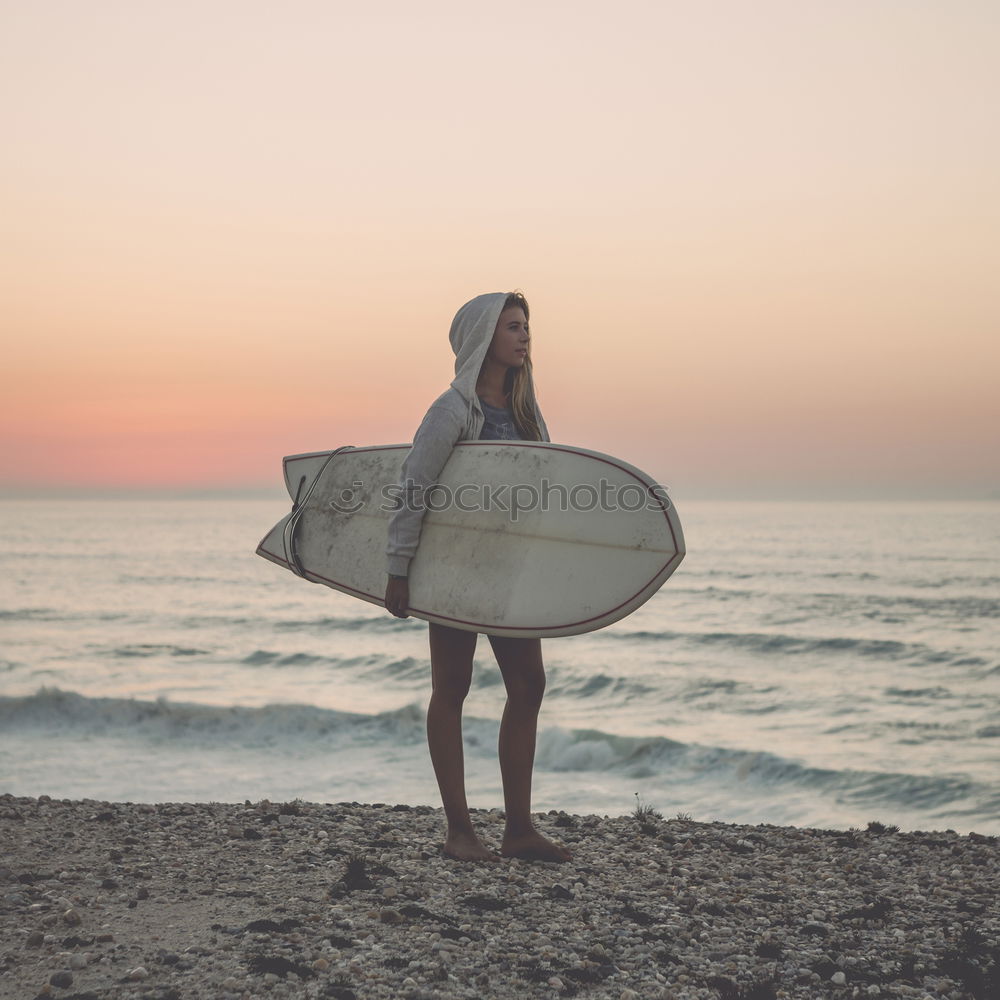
{"points": [[760, 241]]}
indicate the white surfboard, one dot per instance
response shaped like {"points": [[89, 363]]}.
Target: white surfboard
{"points": [[520, 538]]}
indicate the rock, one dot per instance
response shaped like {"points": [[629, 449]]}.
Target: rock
{"points": [[838, 979], [138, 973], [35, 939], [815, 929], [72, 918], [64, 980]]}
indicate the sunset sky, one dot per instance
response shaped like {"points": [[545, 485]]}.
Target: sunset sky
{"points": [[760, 239]]}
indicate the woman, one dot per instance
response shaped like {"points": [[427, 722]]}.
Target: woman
{"points": [[491, 397]]}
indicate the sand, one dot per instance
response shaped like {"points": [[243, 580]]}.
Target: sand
{"points": [[108, 900]]}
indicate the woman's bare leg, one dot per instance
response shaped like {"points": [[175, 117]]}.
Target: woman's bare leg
{"points": [[523, 673], [451, 675]]}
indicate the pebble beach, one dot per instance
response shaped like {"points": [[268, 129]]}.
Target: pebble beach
{"points": [[177, 901]]}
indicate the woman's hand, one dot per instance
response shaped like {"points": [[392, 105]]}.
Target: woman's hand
{"points": [[397, 596]]}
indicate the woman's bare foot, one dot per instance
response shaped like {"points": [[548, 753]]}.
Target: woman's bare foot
{"points": [[467, 847], [533, 847]]}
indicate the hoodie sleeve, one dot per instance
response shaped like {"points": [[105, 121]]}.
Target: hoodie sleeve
{"points": [[432, 444]]}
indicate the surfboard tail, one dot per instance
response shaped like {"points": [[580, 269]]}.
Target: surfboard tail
{"points": [[301, 473], [272, 546]]}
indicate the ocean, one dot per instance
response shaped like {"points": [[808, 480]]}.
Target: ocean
{"points": [[815, 664]]}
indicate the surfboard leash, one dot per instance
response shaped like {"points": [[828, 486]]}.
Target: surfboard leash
{"points": [[298, 508]]}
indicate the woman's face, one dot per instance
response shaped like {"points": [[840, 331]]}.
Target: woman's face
{"points": [[509, 346]]}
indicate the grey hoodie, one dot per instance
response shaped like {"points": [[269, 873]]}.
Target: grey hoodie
{"points": [[454, 416]]}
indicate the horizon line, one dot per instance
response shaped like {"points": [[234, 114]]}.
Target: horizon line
{"points": [[789, 494]]}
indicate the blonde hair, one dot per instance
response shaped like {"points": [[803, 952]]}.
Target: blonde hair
{"points": [[519, 384]]}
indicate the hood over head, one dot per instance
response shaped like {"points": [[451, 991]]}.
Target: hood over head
{"points": [[471, 335]]}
